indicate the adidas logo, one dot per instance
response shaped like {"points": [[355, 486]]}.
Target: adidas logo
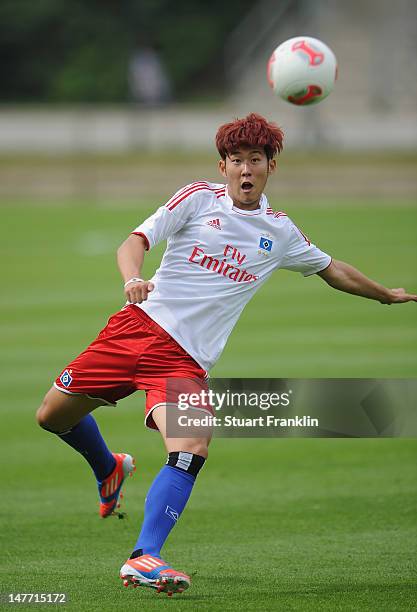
{"points": [[214, 223], [172, 513]]}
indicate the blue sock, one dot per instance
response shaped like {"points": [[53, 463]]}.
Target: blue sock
{"points": [[164, 503], [87, 440]]}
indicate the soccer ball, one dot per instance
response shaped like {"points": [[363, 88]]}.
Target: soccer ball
{"points": [[302, 70]]}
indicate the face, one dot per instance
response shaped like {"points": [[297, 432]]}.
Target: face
{"points": [[247, 170]]}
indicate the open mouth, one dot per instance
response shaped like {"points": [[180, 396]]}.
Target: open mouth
{"points": [[246, 186]]}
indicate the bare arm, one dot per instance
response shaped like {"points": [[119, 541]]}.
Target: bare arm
{"points": [[345, 277], [130, 256]]}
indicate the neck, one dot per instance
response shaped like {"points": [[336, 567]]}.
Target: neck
{"points": [[250, 206]]}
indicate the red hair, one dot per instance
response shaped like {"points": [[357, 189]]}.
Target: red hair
{"points": [[253, 131]]}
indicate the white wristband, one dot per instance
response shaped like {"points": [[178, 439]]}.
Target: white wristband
{"points": [[134, 280]]}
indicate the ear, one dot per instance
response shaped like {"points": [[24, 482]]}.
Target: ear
{"points": [[272, 166], [222, 167]]}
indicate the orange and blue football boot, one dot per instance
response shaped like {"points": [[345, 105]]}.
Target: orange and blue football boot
{"points": [[109, 488], [153, 572]]}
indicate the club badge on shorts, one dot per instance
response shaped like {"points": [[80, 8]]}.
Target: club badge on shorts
{"points": [[66, 378]]}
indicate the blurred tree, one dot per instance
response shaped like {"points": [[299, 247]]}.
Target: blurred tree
{"points": [[75, 51]]}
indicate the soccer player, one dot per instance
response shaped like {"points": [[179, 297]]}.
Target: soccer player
{"points": [[223, 243]]}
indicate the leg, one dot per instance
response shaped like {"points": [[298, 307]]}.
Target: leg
{"points": [[60, 411], [172, 487], [198, 446], [68, 416], [164, 504], [105, 370]]}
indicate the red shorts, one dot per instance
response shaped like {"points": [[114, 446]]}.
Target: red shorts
{"points": [[132, 352]]}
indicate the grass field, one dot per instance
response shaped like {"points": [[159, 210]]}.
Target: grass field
{"points": [[272, 524]]}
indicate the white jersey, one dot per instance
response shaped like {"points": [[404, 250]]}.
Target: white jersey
{"points": [[217, 257]]}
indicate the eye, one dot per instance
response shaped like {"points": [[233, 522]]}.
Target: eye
{"points": [[256, 160]]}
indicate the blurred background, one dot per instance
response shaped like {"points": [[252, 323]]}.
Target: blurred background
{"points": [[97, 79]]}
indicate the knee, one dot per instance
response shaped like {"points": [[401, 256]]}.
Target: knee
{"points": [[198, 447], [43, 416]]}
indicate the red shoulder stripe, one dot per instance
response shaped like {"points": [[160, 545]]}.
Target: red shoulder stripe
{"points": [[185, 189], [275, 214], [185, 195]]}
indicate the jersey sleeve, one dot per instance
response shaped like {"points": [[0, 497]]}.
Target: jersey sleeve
{"points": [[302, 255], [169, 218]]}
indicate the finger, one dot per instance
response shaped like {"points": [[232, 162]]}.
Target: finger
{"points": [[148, 287], [137, 293], [134, 292], [401, 299], [142, 294], [134, 296]]}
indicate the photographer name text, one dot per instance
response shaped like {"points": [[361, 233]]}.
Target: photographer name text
{"points": [[260, 421]]}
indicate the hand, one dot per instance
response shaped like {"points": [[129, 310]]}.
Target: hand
{"points": [[137, 291], [399, 296]]}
